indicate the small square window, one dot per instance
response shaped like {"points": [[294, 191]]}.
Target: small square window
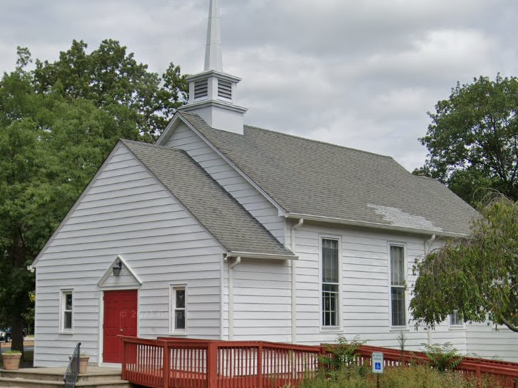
{"points": [[456, 319]]}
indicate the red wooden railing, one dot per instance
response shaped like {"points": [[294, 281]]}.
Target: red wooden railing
{"points": [[489, 373], [193, 363]]}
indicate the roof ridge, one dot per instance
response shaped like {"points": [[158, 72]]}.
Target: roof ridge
{"points": [[427, 177], [318, 141], [151, 145], [293, 136]]}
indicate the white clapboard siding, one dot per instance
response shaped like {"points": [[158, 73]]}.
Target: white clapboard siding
{"points": [[262, 301], [251, 199], [365, 289], [126, 212], [484, 340]]}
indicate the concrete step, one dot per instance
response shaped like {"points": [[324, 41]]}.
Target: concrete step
{"points": [[28, 383], [49, 374]]}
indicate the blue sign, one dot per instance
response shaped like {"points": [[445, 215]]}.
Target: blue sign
{"points": [[377, 362]]}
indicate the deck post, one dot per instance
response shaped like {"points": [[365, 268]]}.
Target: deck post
{"points": [[260, 365], [166, 365], [212, 359], [123, 359]]}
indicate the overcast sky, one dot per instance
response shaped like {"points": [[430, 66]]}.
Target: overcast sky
{"points": [[358, 73]]}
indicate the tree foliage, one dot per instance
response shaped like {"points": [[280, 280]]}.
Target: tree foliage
{"points": [[112, 78], [473, 139], [477, 276], [58, 122]]}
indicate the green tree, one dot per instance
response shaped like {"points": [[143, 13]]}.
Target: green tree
{"points": [[477, 276], [56, 128], [473, 139], [112, 78]]}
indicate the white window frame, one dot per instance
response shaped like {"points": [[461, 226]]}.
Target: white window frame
{"points": [[455, 326], [172, 308], [405, 266], [62, 306], [337, 328]]}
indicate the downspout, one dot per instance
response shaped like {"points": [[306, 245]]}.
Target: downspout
{"points": [[231, 298], [427, 245], [294, 284]]}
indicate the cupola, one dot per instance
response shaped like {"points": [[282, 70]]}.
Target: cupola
{"points": [[212, 93]]}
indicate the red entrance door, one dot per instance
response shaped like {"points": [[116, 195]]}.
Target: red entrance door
{"points": [[120, 318]]}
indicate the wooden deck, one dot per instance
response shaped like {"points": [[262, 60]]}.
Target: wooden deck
{"points": [[185, 363]]}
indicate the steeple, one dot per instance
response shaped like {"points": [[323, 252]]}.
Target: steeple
{"points": [[212, 93], [213, 57]]}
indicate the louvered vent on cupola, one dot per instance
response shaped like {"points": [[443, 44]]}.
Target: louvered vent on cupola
{"points": [[225, 89], [201, 89]]}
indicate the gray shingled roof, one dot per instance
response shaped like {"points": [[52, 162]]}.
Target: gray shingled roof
{"points": [[207, 201], [320, 179]]}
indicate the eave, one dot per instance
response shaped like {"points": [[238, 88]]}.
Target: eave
{"points": [[372, 225]]}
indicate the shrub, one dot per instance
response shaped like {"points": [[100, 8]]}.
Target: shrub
{"points": [[443, 357], [416, 376], [342, 353]]}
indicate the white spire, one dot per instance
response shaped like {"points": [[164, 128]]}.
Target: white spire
{"points": [[213, 57], [212, 92]]}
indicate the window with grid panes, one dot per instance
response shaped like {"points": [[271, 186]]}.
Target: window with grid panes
{"points": [[456, 319], [66, 310], [178, 308], [330, 282], [397, 285]]}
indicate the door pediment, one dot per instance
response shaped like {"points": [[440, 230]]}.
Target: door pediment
{"points": [[126, 278]]}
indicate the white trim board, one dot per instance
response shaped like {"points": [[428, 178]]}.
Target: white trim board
{"points": [[108, 273]]}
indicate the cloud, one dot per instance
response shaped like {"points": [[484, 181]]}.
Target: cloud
{"points": [[358, 73]]}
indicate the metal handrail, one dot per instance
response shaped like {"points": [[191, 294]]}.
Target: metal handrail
{"points": [[72, 371]]}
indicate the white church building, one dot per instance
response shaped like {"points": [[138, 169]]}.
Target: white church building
{"points": [[227, 231]]}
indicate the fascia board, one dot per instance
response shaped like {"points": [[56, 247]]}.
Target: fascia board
{"points": [[254, 255], [168, 131], [371, 225], [109, 271]]}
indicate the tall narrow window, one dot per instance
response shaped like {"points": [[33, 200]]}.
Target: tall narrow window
{"points": [[330, 282], [178, 305], [397, 285], [66, 310]]}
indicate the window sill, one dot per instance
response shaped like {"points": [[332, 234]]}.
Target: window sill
{"points": [[178, 334], [331, 329], [66, 333], [395, 329], [457, 328]]}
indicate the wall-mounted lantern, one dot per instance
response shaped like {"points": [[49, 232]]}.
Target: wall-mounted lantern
{"points": [[117, 267]]}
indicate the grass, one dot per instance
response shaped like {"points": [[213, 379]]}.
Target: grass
{"points": [[417, 376]]}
